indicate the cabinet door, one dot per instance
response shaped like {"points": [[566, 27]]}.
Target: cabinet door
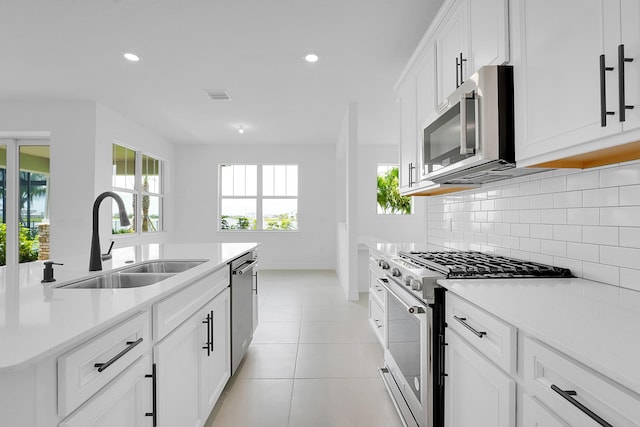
{"points": [[534, 414], [427, 99], [488, 33], [630, 16], [478, 394], [557, 75], [451, 43], [216, 364], [408, 132], [124, 402], [178, 361]]}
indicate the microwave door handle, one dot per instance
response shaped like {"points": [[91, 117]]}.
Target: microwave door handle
{"points": [[464, 99]]}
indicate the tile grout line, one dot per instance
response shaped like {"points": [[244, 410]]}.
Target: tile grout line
{"points": [[295, 366]]}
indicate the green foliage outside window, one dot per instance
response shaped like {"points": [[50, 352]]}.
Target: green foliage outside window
{"points": [[389, 197], [29, 245]]}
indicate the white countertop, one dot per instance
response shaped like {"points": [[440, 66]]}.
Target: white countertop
{"points": [[37, 320], [594, 323]]}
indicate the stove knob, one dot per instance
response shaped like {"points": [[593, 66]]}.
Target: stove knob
{"points": [[416, 285], [395, 272], [384, 265], [408, 280]]}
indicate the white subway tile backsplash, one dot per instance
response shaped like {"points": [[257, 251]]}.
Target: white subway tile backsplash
{"points": [[554, 216], [601, 273], [520, 230], [600, 235], [625, 216], [541, 201], [568, 233], [630, 278], [569, 199], [622, 257], [583, 216], [630, 195], [553, 247], [541, 231], [587, 221], [583, 181], [630, 237], [553, 185], [600, 197], [626, 174], [583, 251]]}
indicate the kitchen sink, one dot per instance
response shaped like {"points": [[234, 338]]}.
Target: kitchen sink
{"points": [[138, 275], [118, 280], [163, 266]]}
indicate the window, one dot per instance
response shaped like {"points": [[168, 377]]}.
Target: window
{"points": [[388, 196], [28, 215], [137, 177], [259, 197]]}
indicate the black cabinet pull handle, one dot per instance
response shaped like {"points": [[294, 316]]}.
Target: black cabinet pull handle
{"points": [[154, 412], [458, 72], [463, 320], [411, 168], [211, 327], [130, 344], [621, 80], [208, 346], [568, 395], [603, 93], [461, 73]]}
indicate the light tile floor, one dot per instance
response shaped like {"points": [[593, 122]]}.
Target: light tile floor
{"points": [[313, 360]]}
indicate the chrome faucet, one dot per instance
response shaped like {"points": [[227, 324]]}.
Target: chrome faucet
{"points": [[95, 262]]}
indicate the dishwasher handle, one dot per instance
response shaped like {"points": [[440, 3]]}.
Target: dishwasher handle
{"points": [[248, 265]]}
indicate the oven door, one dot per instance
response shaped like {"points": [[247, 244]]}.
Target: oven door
{"points": [[451, 140], [407, 356]]}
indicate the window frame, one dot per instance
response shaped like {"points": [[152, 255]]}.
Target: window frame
{"points": [[139, 193], [259, 198]]}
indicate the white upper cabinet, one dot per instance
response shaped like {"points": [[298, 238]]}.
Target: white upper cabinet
{"points": [[451, 48], [408, 132], [568, 76], [426, 100], [488, 33]]}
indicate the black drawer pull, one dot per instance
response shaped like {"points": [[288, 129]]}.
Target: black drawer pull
{"points": [[621, 95], [463, 320], [211, 327], [130, 344], [568, 395], [208, 346], [603, 92], [154, 391]]}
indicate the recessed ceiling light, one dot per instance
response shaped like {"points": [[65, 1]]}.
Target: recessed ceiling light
{"points": [[311, 57], [131, 57], [241, 130]]}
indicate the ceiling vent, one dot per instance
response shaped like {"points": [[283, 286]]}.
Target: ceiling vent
{"points": [[218, 95]]}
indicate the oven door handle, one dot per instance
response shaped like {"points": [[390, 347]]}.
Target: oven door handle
{"points": [[413, 309]]}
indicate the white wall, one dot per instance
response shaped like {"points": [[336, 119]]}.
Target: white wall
{"points": [[384, 228], [587, 221], [347, 204], [196, 197], [80, 137]]}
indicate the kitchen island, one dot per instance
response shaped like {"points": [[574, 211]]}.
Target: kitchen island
{"points": [[42, 325]]}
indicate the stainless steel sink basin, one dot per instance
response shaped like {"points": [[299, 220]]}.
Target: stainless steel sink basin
{"points": [[118, 280], [163, 266]]}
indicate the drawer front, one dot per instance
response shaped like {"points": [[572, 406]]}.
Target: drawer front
{"points": [[375, 289], [534, 414], [493, 337], [172, 311], [85, 370], [377, 319], [574, 392]]}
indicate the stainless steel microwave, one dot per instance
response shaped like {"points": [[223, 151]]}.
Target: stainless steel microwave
{"points": [[471, 139]]}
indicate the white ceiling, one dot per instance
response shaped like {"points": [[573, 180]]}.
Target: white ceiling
{"points": [[72, 49]]}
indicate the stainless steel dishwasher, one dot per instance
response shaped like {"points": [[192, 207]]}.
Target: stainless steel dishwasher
{"points": [[241, 307]]}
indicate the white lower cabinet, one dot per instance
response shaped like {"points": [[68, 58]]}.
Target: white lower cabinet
{"points": [[192, 365], [126, 401], [535, 414], [478, 394]]}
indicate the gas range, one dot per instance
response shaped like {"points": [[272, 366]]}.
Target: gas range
{"points": [[418, 272]]}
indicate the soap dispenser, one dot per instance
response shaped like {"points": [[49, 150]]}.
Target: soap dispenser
{"points": [[48, 271]]}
